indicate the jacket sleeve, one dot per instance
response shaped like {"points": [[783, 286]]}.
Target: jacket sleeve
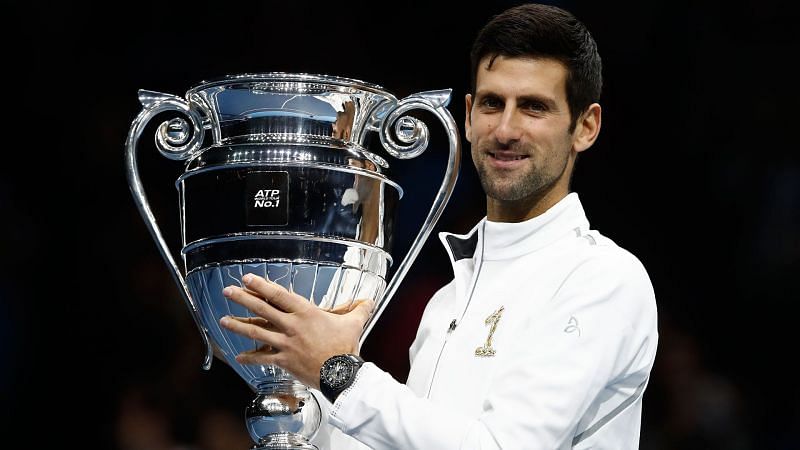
{"points": [[540, 394]]}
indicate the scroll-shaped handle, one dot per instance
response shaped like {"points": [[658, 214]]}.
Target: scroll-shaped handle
{"points": [[176, 139], [413, 135]]}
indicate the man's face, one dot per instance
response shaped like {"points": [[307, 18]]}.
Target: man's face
{"points": [[518, 125]]}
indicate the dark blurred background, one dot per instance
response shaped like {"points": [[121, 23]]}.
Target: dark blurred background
{"points": [[696, 171]]}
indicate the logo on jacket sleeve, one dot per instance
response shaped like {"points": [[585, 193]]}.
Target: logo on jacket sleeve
{"points": [[486, 349]]}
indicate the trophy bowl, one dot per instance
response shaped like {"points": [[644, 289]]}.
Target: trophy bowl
{"points": [[287, 188]]}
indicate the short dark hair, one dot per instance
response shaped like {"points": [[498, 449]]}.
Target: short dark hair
{"points": [[543, 31]]}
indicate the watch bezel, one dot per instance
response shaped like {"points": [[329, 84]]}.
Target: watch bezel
{"points": [[339, 381]]}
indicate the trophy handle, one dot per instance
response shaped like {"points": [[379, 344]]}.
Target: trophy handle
{"points": [[176, 139], [413, 135]]}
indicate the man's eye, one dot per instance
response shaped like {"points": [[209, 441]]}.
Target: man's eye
{"points": [[491, 102], [535, 106]]}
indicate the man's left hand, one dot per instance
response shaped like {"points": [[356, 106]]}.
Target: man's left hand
{"points": [[296, 334]]}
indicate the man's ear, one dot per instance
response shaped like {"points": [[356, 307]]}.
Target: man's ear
{"points": [[587, 128], [468, 118]]}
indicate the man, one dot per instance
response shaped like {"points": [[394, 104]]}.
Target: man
{"points": [[547, 334]]}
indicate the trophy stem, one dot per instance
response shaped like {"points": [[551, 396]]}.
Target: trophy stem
{"points": [[283, 416]]}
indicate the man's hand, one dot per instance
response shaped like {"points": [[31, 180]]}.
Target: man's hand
{"points": [[297, 335]]}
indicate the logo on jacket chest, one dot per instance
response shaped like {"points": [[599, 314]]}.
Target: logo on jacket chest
{"points": [[486, 350]]}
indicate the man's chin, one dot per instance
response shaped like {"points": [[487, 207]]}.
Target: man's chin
{"points": [[504, 193]]}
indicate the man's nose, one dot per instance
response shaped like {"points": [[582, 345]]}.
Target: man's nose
{"points": [[509, 129]]}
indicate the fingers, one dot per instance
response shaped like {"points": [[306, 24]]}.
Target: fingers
{"points": [[259, 330], [275, 293], [262, 355], [359, 311], [345, 308], [258, 321], [257, 305], [258, 333], [362, 310]]}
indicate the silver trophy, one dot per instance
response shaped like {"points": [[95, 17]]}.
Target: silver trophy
{"points": [[288, 187]]}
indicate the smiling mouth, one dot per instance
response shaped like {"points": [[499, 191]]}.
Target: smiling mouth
{"points": [[507, 157]]}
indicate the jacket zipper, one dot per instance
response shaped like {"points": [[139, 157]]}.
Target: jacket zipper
{"points": [[454, 323]]}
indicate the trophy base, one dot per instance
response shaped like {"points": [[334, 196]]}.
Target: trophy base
{"points": [[283, 441]]}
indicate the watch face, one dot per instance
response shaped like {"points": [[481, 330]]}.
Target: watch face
{"points": [[337, 372]]}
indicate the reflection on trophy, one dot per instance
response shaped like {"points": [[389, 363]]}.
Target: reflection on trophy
{"points": [[286, 188]]}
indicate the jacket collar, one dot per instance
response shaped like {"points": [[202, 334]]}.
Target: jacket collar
{"points": [[503, 240]]}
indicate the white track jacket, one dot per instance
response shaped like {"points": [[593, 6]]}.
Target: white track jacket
{"points": [[544, 339]]}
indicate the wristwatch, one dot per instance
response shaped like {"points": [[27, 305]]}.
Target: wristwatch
{"points": [[337, 374]]}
